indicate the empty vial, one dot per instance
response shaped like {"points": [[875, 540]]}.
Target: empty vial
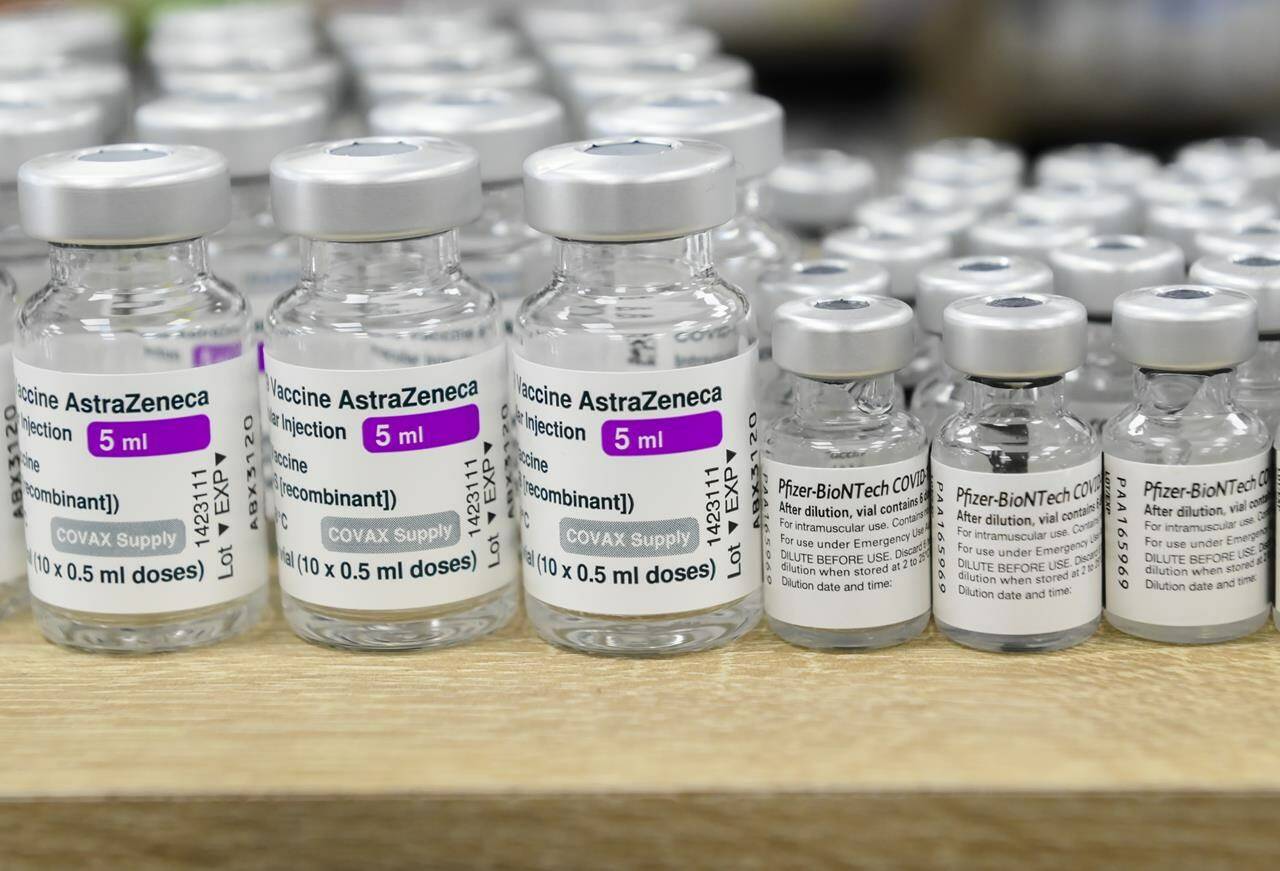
{"points": [[1180, 223], [909, 216], [635, 404], [386, 368], [1106, 209], [845, 450], [1250, 158], [1017, 481], [968, 171], [814, 191], [1252, 237], [1094, 272], [1179, 461], [137, 391], [499, 249], [1018, 234], [1103, 163], [940, 392]]}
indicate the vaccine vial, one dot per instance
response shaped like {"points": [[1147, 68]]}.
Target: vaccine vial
{"points": [[546, 20], [908, 216], [846, 480], [499, 249], [1017, 481], [413, 49], [319, 76], [814, 191], [940, 392], [1106, 209], [964, 171], [1249, 238], [83, 32], [1176, 184], [635, 405], [1242, 157], [1094, 272], [586, 87], [1183, 462], [1181, 223], [386, 368], [449, 74], [57, 81], [627, 44], [1018, 234], [1103, 163], [750, 126], [137, 406]]}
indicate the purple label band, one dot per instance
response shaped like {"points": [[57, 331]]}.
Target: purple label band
{"points": [[645, 437], [207, 355], [149, 438], [262, 357], [418, 432]]}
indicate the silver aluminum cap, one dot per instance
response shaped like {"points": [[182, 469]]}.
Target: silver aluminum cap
{"points": [[630, 189], [459, 74], [125, 195], [1255, 274], [820, 187], [359, 25], [1023, 235], [88, 32], [105, 84], [1182, 222], [983, 195], [552, 19], [749, 125], [1108, 209], [1096, 271], [410, 51], [838, 338], [28, 130], [965, 160], [628, 46], [903, 255], [1176, 184], [1102, 163], [913, 217], [831, 277], [247, 132], [587, 86], [940, 284], [322, 76], [375, 188], [504, 127], [1248, 238], [1185, 327], [258, 51], [1246, 157], [227, 22], [1014, 336]]}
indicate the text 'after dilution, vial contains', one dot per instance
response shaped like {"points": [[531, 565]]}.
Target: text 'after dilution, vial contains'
{"points": [[635, 405]]}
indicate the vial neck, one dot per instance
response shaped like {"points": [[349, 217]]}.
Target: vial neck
{"points": [[364, 267], [839, 403], [1165, 394], [620, 267], [174, 265], [1042, 398]]}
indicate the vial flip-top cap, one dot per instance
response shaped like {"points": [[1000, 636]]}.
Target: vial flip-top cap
{"points": [[504, 127], [842, 337], [247, 131], [940, 284], [1023, 235], [321, 76], [587, 86], [105, 84], [965, 160], [1250, 237], [1181, 222], [1102, 163], [412, 50], [1108, 209], [829, 277], [1256, 274], [630, 189], [258, 50], [1014, 337], [1247, 157], [982, 195], [628, 45], [132, 194], [551, 19], [749, 125], [902, 254], [463, 73], [1177, 184], [375, 188], [820, 187], [1185, 327], [1096, 271], [28, 130], [910, 216]]}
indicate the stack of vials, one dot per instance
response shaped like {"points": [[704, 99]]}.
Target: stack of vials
{"points": [[459, 310]]}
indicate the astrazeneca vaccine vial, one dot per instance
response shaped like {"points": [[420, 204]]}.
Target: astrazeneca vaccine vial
{"points": [[969, 171], [804, 279], [750, 126], [1188, 472], [910, 216], [499, 249], [1017, 481], [1253, 237], [814, 191], [1094, 272], [387, 389], [1106, 209], [137, 406], [1018, 234], [635, 405], [1182, 222], [940, 392], [846, 481], [1105, 163], [1250, 158]]}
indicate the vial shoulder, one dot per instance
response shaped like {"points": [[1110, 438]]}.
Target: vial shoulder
{"points": [[1027, 444], [203, 305], [879, 441], [1232, 434]]}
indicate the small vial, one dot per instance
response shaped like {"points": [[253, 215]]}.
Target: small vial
{"points": [[846, 451], [1181, 223], [1182, 457], [386, 368], [1094, 272], [964, 171], [1017, 481], [750, 126], [499, 249], [1107, 209], [940, 393], [1244, 157], [456, 74], [635, 404], [814, 191], [909, 216], [57, 81], [1018, 234], [137, 381], [586, 87], [1249, 238], [1102, 163]]}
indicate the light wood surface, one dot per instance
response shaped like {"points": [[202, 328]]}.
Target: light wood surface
{"points": [[268, 752]]}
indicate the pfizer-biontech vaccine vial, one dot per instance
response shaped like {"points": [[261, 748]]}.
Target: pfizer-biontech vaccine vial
{"points": [[1188, 472], [940, 392], [635, 405], [1017, 481], [1094, 272], [846, 480], [1105, 163], [137, 406], [387, 389]]}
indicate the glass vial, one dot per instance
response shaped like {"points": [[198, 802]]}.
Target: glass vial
{"points": [[138, 406], [635, 405], [587, 87], [1248, 158], [846, 481], [910, 216], [1182, 222], [1253, 237], [964, 171], [814, 191], [1105, 163], [386, 383], [1185, 464], [1107, 209], [1017, 481], [1018, 234], [1094, 272]]}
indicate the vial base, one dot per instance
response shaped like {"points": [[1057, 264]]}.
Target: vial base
{"points": [[1190, 634], [425, 629], [149, 633], [649, 636], [850, 640], [13, 597], [1040, 643]]}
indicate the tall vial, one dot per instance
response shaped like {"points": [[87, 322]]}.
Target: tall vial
{"points": [[635, 405], [846, 481], [386, 382], [1017, 481], [1185, 463], [137, 396]]}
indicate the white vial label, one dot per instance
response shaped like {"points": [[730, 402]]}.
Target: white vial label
{"points": [[1187, 545], [390, 486], [846, 548], [639, 491], [142, 490], [13, 549], [1017, 554]]}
